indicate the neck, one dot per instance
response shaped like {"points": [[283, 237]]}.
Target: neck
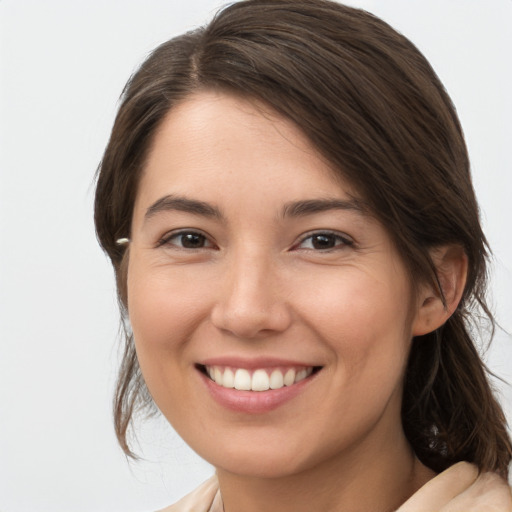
{"points": [[376, 476]]}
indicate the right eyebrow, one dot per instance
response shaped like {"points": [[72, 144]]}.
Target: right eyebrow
{"points": [[182, 204]]}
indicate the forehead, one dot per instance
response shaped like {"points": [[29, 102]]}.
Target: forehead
{"points": [[214, 140]]}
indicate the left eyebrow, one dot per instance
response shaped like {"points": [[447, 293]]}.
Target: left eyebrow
{"points": [[312, 206]]}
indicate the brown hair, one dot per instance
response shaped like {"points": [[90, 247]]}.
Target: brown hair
{"points": [[372, 105]]}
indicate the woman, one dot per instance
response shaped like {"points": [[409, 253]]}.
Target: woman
{"points": [[287, 205]]}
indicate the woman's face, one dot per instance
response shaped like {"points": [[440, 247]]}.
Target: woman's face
{"points": [[250, 262]]}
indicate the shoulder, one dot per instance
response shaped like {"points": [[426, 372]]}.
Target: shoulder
{"points": [[461, 489], [202, 499]]}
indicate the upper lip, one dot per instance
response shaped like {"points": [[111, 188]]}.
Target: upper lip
{"points": [[254, 363]]}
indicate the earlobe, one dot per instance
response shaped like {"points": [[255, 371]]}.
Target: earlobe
{"points": [[436, 306]]}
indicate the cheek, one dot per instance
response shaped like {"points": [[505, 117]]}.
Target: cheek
{"points": [[365, 323], [164, 310], [358, 305]]}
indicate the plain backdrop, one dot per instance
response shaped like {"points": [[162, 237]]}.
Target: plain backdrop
{"points": [[63, 65]]}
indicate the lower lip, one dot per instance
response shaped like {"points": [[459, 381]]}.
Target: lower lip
{"points": [[254, 402]]}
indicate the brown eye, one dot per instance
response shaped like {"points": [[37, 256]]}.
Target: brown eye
{"points": [[186, 240], [192, 240], [324, 241]]}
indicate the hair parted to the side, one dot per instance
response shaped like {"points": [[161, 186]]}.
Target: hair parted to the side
{"points": [[372, 105]]}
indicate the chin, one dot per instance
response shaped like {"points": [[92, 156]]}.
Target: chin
{"points": [[259, 459], [261, 465]]}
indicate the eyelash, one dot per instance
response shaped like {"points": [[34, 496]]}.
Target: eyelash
{"points": [[329, 235], [181, 233], [338, 237]]}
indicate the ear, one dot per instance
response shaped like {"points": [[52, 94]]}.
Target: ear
{"points": [[451, 265]]}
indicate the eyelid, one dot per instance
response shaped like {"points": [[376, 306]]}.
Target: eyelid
{"points": [[165, 239], [346, 240]]}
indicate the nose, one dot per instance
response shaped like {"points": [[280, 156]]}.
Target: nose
{"points": [[251, 301]]}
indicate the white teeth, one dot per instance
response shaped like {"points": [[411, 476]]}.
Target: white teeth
{"points": [[301, 374], [276, 380], [242, 380], [260, 380], [289, 377], [228, 381], [217, 375]]}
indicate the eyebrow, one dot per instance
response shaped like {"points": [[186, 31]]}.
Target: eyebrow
{"points": [[292, 209], [312, 206], [182, 204]]}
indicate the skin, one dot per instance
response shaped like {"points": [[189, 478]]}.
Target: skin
{"points": [[257, 286]]}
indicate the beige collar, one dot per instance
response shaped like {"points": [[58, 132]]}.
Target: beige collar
{"points": [[458, 489]]}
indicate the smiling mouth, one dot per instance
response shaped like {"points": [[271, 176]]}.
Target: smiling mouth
{"points": [[259, 379]]}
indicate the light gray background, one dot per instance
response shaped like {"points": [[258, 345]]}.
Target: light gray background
{"points": [[62, 67]]}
